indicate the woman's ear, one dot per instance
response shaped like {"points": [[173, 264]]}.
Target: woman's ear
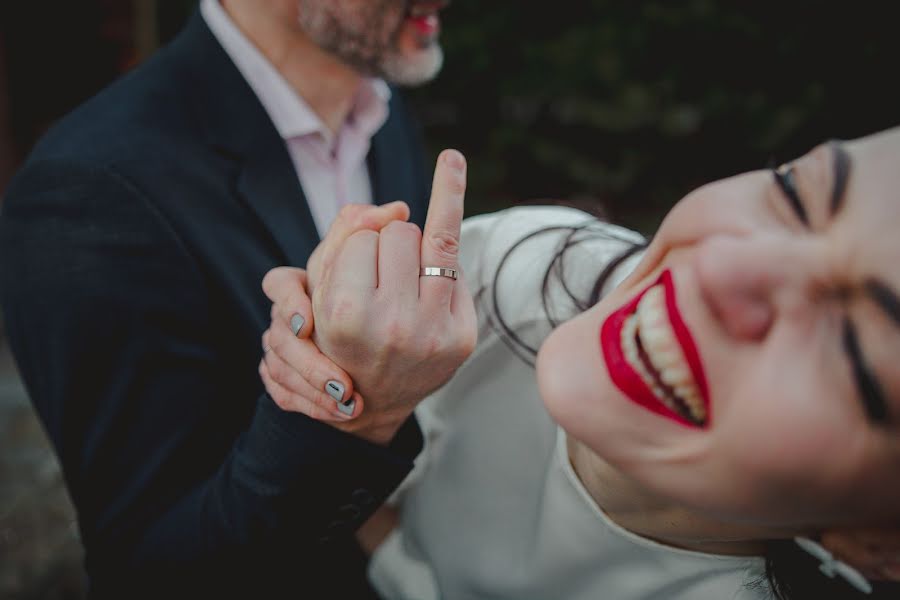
{"points": [[874, 551]]}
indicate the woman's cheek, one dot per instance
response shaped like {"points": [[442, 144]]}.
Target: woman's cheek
{"points": [[567, 367]]}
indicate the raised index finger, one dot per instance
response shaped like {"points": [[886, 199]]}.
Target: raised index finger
{"points": [[440, 239]]}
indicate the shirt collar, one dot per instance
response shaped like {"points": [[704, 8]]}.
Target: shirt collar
{"points": [[289, 112]]}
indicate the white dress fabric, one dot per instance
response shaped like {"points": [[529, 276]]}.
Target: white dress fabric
{"points": [[493, 509]]}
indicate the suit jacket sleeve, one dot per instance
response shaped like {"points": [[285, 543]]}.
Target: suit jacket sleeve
{"points": [[109, 317]]}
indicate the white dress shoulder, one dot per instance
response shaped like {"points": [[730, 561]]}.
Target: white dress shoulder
{"points": [[493, 509]]}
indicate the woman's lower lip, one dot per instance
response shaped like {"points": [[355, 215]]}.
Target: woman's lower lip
{"points": [[626, 378]]}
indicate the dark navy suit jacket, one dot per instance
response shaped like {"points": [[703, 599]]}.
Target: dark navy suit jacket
{"points": [[132, 248]]}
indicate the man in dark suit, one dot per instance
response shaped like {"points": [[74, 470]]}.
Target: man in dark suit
{"points": [[132, 248]]}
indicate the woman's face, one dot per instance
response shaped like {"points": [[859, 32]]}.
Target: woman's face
{"points": [[749, 366]]}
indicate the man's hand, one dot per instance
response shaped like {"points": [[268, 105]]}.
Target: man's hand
{"points": [[351, 219], [296, 375], [399, 336]]}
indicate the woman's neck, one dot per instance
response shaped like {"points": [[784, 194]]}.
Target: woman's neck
{"points": [[634, 508]]}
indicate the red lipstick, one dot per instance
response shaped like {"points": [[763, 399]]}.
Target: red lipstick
{"points": [[629, 381], [423, 15]]}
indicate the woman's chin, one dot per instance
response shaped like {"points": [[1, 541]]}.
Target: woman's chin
{"points": [[572, 378]]}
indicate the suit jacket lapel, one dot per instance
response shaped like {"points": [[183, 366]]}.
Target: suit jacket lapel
{"points": [[270, 187], [236, 125], [395, 165], [384, 188]]}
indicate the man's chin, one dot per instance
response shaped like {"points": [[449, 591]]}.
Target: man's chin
{"points": [[412, 68]]}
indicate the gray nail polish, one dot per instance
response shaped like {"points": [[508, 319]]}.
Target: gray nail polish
{"points": [[335, 389], [297, 322], [347, 409]]}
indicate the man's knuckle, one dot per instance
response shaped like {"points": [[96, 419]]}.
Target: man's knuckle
{"points": [[402, 228], [444, 244], [431, 345], [336, 310], [364, 238], [370, 219], [397, 332]]}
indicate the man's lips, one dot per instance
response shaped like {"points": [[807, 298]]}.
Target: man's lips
{"points": [[428, 26], [651, 356], [423, 15]]}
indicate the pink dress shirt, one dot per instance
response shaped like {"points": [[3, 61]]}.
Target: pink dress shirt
{"points": [[332, 168]]}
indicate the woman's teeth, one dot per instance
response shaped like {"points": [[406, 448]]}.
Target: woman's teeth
{"points": [[652, 349]]}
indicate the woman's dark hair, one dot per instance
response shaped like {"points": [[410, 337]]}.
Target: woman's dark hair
{"points": [[791, 573], [576, 235]]}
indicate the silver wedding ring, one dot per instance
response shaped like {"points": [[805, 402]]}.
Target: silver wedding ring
{"points": [[438, 272]]}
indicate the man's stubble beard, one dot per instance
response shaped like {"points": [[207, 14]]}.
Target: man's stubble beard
{"points": [[412, 71], [367, 39]]}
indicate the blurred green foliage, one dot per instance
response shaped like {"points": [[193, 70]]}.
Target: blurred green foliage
{"points": [[633, 104], [629, 105]]}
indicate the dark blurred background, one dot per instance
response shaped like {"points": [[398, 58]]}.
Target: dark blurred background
{"points": [[614, 104]]}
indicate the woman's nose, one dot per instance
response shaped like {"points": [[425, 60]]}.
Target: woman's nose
{"points": [[738, 278]]}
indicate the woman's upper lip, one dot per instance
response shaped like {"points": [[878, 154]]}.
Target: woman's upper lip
{"points": [[685, 339], [639, 371]]}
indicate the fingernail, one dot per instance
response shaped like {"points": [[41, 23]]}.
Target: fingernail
{"points": [[335, 389], [347, 409], [297, 322], [454, 160]]}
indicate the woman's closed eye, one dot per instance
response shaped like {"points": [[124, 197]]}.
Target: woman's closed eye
{"points": [[784, 177], [869, 389]]}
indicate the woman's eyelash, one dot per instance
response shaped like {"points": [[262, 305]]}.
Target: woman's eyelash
{"points": [[784, 178], [869, 389]]}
